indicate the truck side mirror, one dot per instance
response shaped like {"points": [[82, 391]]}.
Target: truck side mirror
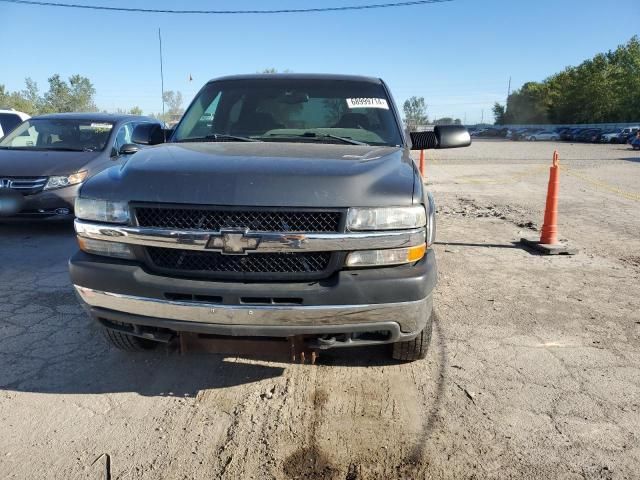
{"points": [[443, 136], [148, 134]]}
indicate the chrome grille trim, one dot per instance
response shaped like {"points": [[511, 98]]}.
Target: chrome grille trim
{"points": [[269, 241], [28, 185]]}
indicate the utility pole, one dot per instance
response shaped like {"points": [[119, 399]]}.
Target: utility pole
{"points": [[509, 89], [482, 118], [161, 73]]}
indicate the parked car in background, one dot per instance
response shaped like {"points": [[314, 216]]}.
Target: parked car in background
{"points": [[10, 119], [543, 135], [610, 136], [568, 134], [525, 133], [635, 142], [45, 159], [588, 135], [628, 134], [620, 135]]}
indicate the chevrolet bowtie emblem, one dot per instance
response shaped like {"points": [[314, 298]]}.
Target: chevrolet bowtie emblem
{"points": [[233, 242]]}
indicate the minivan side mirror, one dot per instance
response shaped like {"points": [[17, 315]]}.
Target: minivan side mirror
{"points": [[443, 136], [129, 149], [148, 134]]}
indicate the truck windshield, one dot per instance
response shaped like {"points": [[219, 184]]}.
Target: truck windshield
{"points": [[58, 134], [291, 110]]}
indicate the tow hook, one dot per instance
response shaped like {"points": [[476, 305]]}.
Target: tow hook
{"points": [[300, 351]]}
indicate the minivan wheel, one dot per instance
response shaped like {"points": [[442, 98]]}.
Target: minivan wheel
{"points": [[128, 343], [415, 349]]}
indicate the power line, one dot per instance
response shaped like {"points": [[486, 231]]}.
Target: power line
{"points": [[229, 12]]}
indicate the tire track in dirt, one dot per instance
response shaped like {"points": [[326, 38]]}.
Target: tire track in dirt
{"points": [[370, 420]]}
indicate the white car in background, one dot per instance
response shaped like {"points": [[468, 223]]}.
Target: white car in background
{"points": [[620, 135], [544, 135], [10, 119]]}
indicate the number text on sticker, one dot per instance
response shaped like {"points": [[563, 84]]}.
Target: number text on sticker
{"points": [[367, 103]]}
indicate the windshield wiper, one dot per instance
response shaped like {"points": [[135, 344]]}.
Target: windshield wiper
{"points": [[69, 149], [218, 137], [48, 149], [320, 136]]}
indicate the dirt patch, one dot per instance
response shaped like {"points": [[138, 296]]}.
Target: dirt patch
{"points": [[471, 208], [633, 261], [311, 462]]}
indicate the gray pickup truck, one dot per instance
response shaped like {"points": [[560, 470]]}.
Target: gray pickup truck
{"points": [[281, 206]]}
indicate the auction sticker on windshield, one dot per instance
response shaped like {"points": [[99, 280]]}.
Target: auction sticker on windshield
{"points": [[102, 126], [367, 103]]}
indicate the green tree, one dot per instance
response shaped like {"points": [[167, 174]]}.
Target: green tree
{"points": [[27, 101], [603, 89], [415, 112], [498, 114], [136, 111], [76, 95], [173, 100], [447, 121], [274, 70]]}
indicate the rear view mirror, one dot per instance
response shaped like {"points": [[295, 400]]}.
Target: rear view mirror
{"points": [[148, 134], [443, 136]]}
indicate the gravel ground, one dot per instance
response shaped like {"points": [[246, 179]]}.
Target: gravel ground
{"points": [[533, 372]]}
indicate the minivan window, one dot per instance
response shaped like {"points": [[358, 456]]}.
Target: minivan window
{"points": [[9, 121], [59, 134]]}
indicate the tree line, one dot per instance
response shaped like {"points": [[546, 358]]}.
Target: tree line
{"points": [[77, 94], [415, 114], [603, 89], [73, 95]]}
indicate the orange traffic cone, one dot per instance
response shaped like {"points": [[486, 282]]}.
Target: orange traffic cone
{"points": [[548, 243], [422, 163], [549, 234]]}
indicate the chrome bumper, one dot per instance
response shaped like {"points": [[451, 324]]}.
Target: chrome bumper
{"points": [[410, 316], [265, 241]]}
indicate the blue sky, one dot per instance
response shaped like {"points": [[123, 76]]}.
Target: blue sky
{"points": [[458, 55]]}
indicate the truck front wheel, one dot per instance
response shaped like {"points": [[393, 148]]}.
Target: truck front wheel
{"points": [[415, 349], [128, 343]]}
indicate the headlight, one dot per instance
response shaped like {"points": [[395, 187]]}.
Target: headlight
{"points": [[65, 181], [107, 249], [387, 218], [102, 210], [394, 256]]}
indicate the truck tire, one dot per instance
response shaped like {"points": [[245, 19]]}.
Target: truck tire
{"points": [[128, 343], [415, 349]]}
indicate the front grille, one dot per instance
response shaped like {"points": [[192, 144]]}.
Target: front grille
{"points": [[257, 265], [24, 185], [198, 218]]}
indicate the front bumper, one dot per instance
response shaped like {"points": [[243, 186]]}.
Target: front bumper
{"points": [[397, 300], [56, 203]]}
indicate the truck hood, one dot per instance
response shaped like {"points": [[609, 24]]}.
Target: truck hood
{"points": [[39, 163], [261, 174]]}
